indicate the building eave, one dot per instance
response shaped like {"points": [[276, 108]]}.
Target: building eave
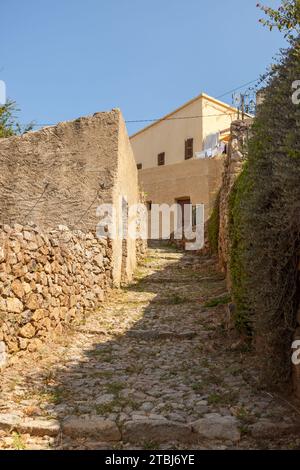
{"points": [[185, 105]]}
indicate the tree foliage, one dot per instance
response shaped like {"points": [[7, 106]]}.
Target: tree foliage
{"points": [[286, 18], [8, 121]]}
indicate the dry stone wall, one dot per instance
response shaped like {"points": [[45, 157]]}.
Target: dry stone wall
{"points": [[233, 165], [48, 282]]}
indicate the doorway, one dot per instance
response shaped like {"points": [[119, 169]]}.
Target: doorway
{"points": [[184, 219]]}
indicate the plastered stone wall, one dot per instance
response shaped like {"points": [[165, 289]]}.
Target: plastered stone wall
{"points": [[53, 267], [196, 179], [125, 189], [60, 174]]}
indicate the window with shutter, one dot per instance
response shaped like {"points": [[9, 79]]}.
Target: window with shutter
{"points": [[161, 159], [189, 149]]}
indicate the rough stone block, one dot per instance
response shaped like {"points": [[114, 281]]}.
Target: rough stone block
{"points": [[104, 429], [161, 431], [216, 427]]}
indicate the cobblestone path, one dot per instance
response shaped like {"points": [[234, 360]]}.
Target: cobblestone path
{"points": [[155, 367]]}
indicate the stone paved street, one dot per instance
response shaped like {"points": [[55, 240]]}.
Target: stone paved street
{"points": [[155, 367]]}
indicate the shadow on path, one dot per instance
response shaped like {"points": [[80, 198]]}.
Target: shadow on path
{"points": [[155, 351]]}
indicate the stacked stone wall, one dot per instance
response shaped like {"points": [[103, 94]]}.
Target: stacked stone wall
{"points": [[48, 281]]}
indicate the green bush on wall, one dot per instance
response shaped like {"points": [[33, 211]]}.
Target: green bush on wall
{"points": [[237, 262], [265, 222], [213, 226]]}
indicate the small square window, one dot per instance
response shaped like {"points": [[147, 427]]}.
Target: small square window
{"points": [[161, 159], [139, 166]]}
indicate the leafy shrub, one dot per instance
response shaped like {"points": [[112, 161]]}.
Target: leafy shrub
{"points": [[265, 222], [213, 226]]}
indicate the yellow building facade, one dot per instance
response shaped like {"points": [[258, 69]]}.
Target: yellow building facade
{"points": [[171, 153]]}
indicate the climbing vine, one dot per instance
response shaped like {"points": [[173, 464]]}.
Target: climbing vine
{"points": [[237, 267]]}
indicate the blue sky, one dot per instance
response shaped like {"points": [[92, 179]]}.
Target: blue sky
{"points": [[62, 59]]}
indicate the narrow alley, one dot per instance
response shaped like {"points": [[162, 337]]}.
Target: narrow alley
{"points": [[155, 368]]}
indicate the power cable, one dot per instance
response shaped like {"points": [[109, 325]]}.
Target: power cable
{"points": [[136, 121]]}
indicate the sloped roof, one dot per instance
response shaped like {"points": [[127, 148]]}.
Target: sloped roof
{"points": [[185, 105]]}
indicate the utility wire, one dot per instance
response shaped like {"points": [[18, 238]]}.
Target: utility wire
{"points": [[36, 203], [135, 121], [181, 118], [156, 119], [238, 88]]}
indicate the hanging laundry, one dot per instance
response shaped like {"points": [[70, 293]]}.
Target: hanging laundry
{"points": [[212, 146], [211, 141]]}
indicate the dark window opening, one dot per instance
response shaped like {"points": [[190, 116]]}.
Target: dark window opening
{"points": [[139, 166], [149, 205], [189, 149], [194, 215], [161, 159], [185, 205]]}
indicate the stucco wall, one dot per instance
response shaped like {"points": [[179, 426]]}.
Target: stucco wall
{"points": [[169, 135], [125, 187], [61, 174], [216, 117], [198, 180]]}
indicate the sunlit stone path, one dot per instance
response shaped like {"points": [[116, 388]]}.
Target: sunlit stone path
{"points": [[156, 367]]}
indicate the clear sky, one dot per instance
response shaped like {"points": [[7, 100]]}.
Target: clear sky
{"points": [[62, 59]]}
